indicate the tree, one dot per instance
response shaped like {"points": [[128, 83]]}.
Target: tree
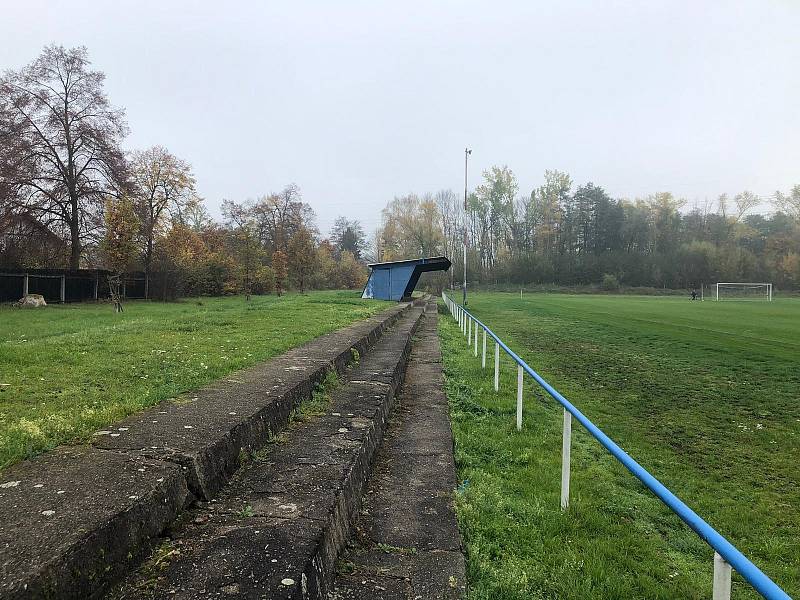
{"points": [[326, 273], [302, 257], [745, 201], [244, 237], [61, 144], [348, 236], [161, 185], [493, 204], [351, 273], [280, 269], [411, 228], [789, 203], [119, 243], [279, 216]]}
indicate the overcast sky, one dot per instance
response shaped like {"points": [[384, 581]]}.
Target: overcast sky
{"points": [[357, 102]]}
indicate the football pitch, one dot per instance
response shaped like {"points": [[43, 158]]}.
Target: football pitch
{"points": [[704, 395]]}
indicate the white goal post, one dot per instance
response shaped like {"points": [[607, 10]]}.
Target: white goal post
{"points": [[744, 291]]}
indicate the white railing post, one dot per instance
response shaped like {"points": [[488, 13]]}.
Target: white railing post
{"points": [[483, 355], [496, 366], [519, 397], [566, 443], [722, 578], [476, 340], [469, 330]]}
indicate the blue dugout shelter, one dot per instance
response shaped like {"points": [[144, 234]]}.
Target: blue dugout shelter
{"points": [[396, 280]]}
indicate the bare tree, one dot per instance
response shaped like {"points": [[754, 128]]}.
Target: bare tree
{"points": [[162, 185], [60, 143], [789, 203], [745, 201]]}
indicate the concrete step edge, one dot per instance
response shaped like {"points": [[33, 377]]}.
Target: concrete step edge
{"points": [[80, 517], [220, 554]]}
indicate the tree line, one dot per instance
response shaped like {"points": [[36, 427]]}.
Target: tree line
{"points": [[71, 197], [574, 235]]}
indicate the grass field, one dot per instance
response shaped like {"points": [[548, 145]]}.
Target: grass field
{"points": [[706, 396], [66, 371]]}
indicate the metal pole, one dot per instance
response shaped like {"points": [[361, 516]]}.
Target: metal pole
{"points": [[476, 339], [464, 300], [483, 355], [469, 330], [496, 367], [722, 579], [519, 397], [566, 443], [467, 152]]}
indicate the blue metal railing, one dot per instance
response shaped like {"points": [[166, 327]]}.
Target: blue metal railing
{"points": [[733, 557]]}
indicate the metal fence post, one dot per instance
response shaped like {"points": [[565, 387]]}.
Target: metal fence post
{"points": [[483, 355], [519, 397], [722, 578], [469, 331], [476, 339], [496, 367], [566, 443]]}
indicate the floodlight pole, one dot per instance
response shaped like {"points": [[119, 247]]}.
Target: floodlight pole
{"points": [[467, 152]]}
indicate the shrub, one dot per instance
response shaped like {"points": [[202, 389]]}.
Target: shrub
{"points": [[264, 282], [610, 282]]}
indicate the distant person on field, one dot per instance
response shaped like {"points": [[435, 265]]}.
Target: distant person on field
{"points": [[694, 294]]}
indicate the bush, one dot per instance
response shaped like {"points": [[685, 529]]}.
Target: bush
{"points": [[610, 282], [264, 282]]}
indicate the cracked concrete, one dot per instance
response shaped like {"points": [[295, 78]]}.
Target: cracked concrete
{"points": [[276, 529], [81, 516], [406, 544]]}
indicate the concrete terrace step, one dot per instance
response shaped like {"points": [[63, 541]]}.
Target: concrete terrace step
{"points": [[276, 530], [407, 544], [76, 518]]}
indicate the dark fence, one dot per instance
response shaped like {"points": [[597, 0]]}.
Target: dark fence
{"points": [[64, 285]]}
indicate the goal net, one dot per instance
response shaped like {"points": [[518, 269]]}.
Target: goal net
{"points": [[744, 291]]}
